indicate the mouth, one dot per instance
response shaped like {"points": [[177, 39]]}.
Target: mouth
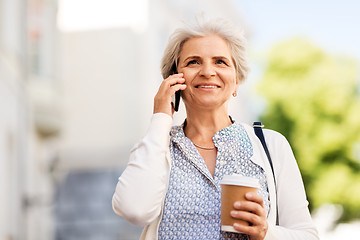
{"points": [[207, 86]]}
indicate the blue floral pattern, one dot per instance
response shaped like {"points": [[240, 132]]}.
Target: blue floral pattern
{"points": [[192, 203]]}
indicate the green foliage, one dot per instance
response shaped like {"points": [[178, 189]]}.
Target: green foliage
{"points": [[313, 99]]}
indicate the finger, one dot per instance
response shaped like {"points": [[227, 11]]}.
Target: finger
{"points": [[257, 226], [242, 228], [250, 206], [252, 218], [254, 197], [173, 79], [169, 87], [177, 75], [166, 92], [258, 232], [174, 82], [177, 87]]}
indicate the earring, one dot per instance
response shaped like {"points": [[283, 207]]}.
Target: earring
{"points": [[234, 94]]}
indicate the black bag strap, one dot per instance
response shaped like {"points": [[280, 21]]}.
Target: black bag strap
{"points": [[259, 133]]}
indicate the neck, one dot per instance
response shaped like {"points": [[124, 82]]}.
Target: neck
{"points": [[202, 125]]}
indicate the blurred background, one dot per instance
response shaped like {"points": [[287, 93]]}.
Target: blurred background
{"points": [[77, 80]]}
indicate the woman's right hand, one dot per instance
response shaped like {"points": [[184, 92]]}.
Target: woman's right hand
{"points": [[162, 99]]}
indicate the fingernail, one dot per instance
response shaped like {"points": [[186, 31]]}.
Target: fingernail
{"points": [[249, 194], [237, 204], [233, 213]]}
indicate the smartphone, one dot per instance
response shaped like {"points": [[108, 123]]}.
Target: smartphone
{"points": [[176, 100], [176, 97]]}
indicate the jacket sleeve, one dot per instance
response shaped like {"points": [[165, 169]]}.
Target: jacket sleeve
{"points": [[142, 186], [294, 216]]}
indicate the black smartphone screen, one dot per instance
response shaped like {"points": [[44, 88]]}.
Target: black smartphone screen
{"points": [[177, 93], [177, 100]]}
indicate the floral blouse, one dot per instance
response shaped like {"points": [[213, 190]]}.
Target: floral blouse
{"points": [[192, 202]]}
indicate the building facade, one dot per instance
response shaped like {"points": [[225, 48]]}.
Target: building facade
{"points": [[28, 118], [73, 101]]}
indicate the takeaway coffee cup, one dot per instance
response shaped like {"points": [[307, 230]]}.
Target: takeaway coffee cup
{"points": [[234, 188]]}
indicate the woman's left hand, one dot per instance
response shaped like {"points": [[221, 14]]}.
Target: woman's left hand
{"points": [[252, 211]]}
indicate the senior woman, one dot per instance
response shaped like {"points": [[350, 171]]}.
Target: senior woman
{"points": [[171, 184]]}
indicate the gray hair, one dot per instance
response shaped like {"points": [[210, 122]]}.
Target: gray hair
{"points": [[220, 27]]}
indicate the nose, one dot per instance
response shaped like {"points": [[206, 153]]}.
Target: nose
{"points": [[207, 70]]}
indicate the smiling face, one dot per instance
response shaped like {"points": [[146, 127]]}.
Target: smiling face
{"points": [[209, 72]]}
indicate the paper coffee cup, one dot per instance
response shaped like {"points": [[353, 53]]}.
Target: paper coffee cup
{"points": [[234, 188]]}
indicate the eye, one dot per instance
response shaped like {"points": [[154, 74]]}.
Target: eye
{"points": [[191, 62], [220, 61]]}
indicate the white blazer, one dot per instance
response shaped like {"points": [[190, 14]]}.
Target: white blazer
{"points": [[141, 189]]}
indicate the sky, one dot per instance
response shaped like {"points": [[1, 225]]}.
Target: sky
{"points": [[332, 25], [100, 14]]}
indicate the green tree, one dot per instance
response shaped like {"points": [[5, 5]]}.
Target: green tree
{"points": [[313, 99]]}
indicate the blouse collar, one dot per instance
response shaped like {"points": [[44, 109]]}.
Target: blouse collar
{"points": [[226, 134]]}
